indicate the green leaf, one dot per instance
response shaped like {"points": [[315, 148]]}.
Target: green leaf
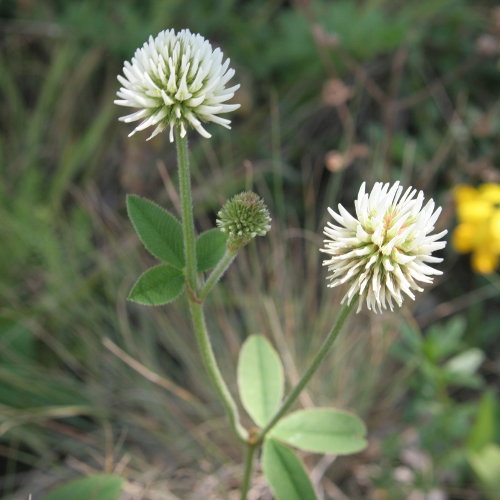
{"points": [[260, 379], [466, 363], [484, 427], [159, 231], [157, 286], [96, 487], [443, 340], [210, 248], [322, 430], [486, 465], [285, 473]]}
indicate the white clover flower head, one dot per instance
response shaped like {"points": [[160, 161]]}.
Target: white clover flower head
{"points": [[383, 251], [176, 79]]}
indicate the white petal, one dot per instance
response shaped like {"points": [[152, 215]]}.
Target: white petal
{"points": [[385, 250], [182, 73]]}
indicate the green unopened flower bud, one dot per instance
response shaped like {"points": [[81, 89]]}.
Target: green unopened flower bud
{"points": [[242, 218]]}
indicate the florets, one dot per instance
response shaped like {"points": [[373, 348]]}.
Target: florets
{"points": [[176, 79], [242, 218], [385, 250]]}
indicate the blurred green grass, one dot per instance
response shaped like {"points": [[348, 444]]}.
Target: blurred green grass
{"points": [[333, 93]]}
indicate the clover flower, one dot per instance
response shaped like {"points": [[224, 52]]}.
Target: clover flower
{"points": [[242, 218], [478, 229], [385, 250], [176, 79]]}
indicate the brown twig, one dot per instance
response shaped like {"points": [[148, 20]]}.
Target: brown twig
{"points": [[149, 374]]}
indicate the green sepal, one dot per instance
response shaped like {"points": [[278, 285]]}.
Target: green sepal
{"points": [[157, 286]]}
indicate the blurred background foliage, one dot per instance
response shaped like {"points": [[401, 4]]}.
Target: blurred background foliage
{"points": [[333, 93]]}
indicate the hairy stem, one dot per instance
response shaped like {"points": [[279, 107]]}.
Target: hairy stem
{"points": [[247, 474], [207, 354], [195, 305], [311, 370], [217, 272], [187, 211]]}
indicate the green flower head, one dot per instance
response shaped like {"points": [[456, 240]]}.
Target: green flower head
{"points": [[242, 218]]}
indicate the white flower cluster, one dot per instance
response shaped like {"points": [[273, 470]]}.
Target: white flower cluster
{"points": [[383, 251], [176, 79]]}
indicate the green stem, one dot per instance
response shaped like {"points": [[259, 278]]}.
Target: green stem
{"points": [[195, 306], [207, 354], [217, 272], [313, 367], [187, 210], [247, 474]]}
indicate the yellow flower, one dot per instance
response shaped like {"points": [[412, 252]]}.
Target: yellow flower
{"points": [[478, 229]]}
